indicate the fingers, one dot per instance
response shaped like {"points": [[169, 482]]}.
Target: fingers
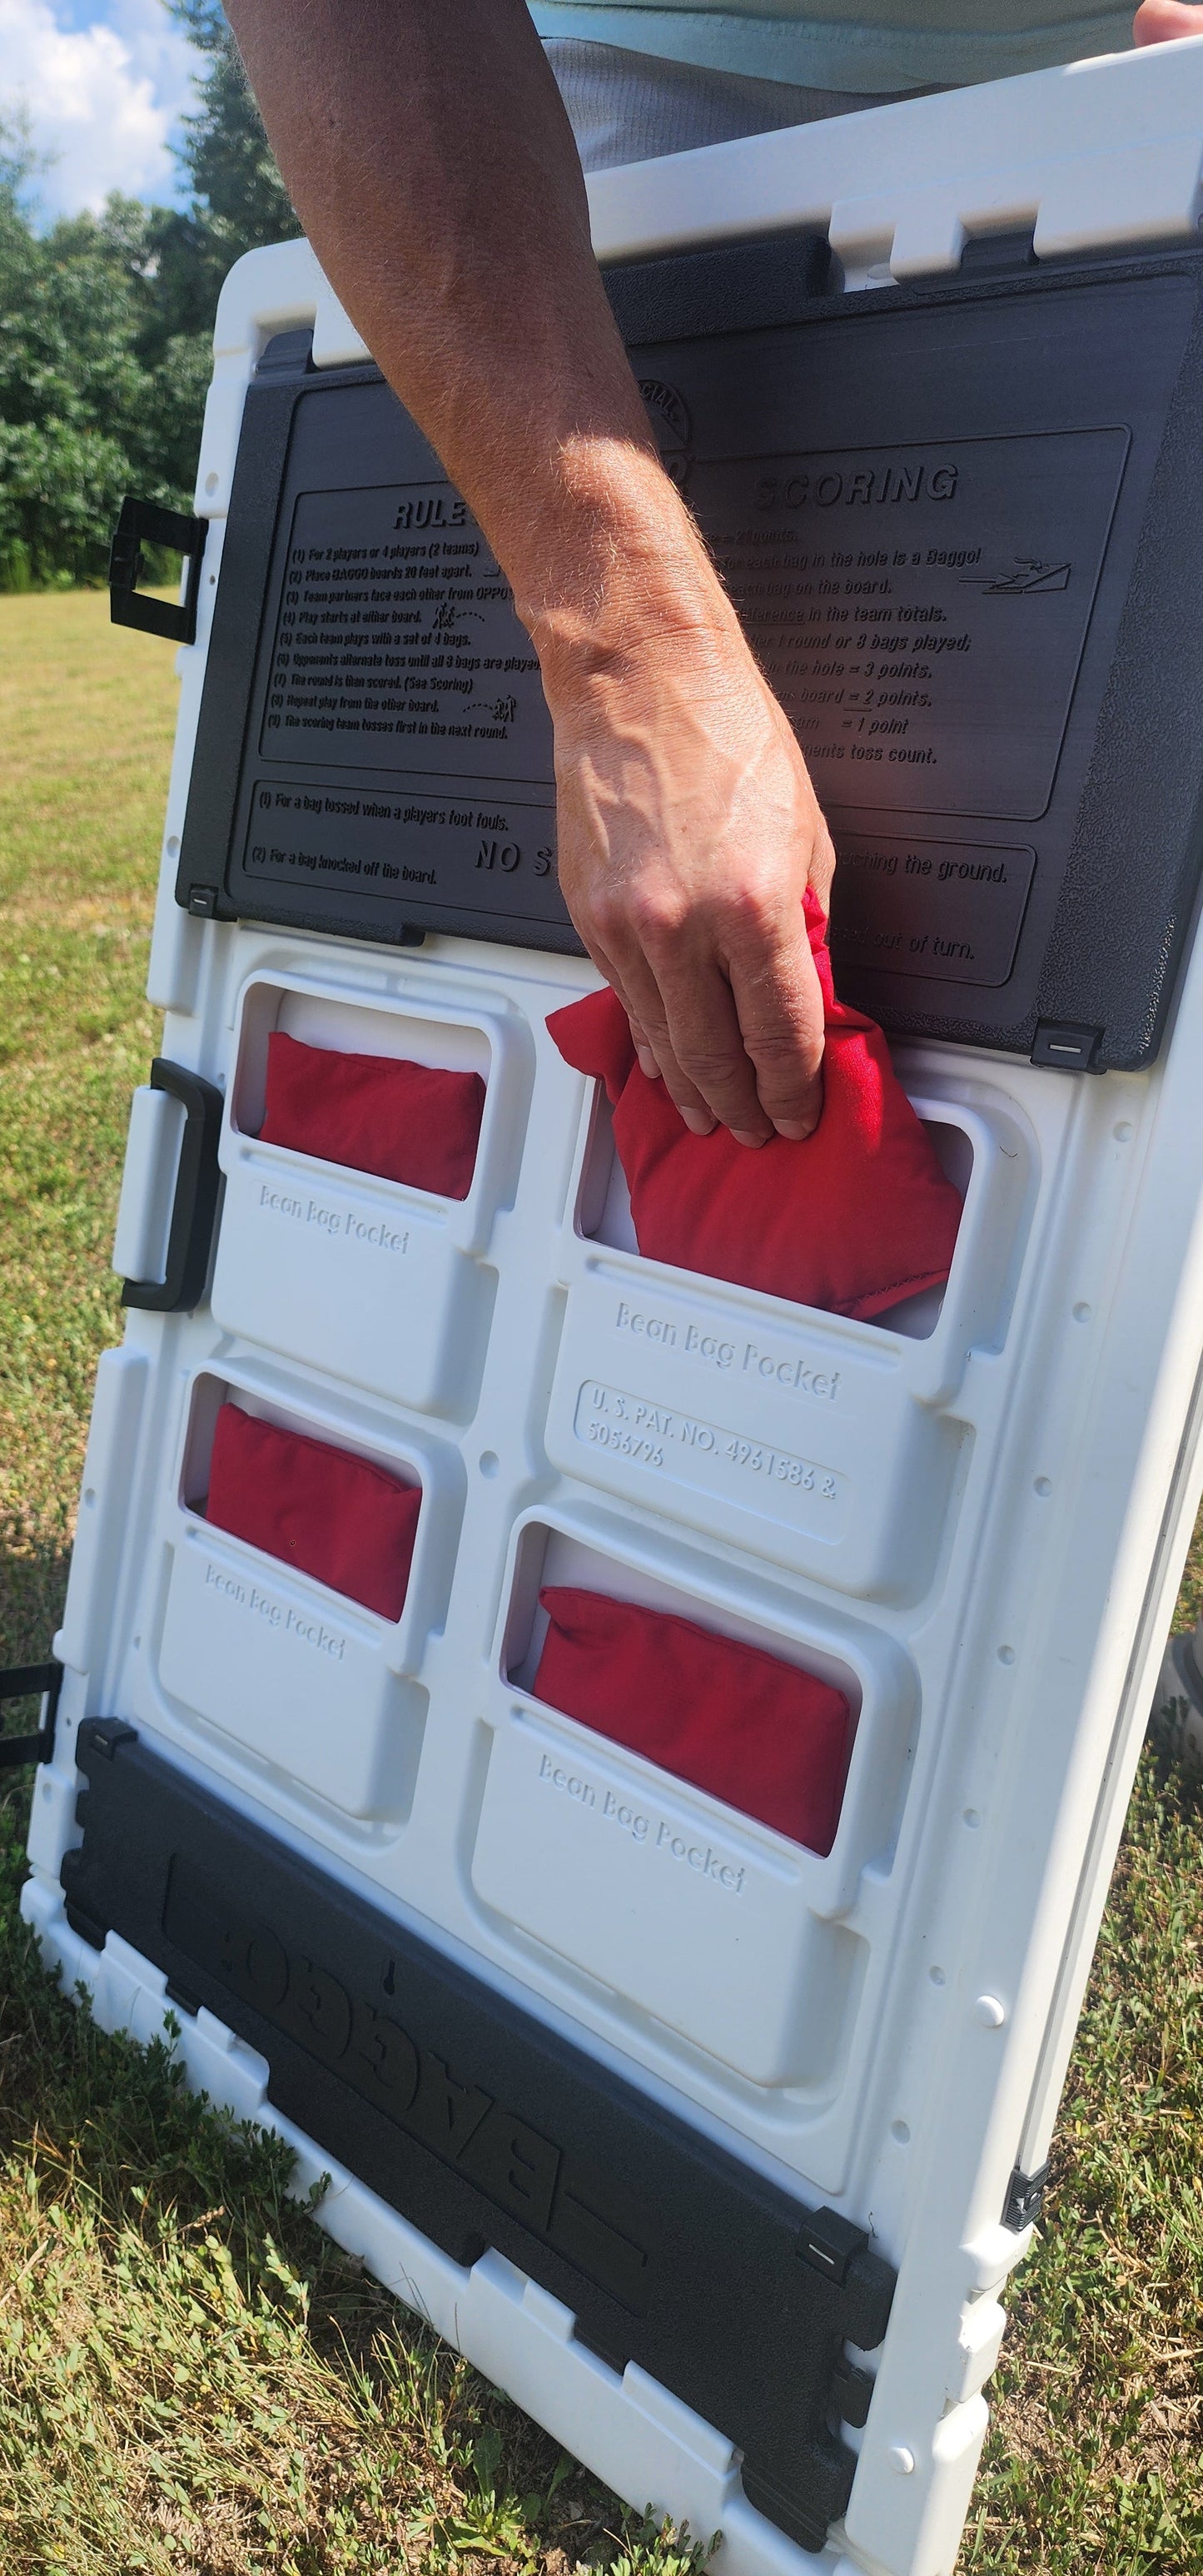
{"points": [[1158, 22], [639, 1037], [780, 1006], [643, 1048], [731, 1022], [687, 1015]]}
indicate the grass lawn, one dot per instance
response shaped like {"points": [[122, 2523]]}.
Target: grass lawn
{"points": [[192, 2382]]}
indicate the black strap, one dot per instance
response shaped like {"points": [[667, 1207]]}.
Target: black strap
{"points": [[146, 522], [21, 1682]]}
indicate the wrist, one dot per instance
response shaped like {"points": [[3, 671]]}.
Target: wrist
{"points": [[616, 569]]}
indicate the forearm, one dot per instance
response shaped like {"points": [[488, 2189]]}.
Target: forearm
{"points": [[430, 159]]}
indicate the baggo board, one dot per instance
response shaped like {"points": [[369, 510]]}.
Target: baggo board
{"points": [[958, 601], [714, 2151]]}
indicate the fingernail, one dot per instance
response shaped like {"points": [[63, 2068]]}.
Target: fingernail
{"points": [[793, 1132], [648, 1064], [743, 1138], [699, 1122]]}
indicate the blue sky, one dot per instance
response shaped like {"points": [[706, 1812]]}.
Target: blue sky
{"points": [[105, 83]]}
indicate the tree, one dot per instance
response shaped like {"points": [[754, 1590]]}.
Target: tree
{"points": [[239, 198], [106, 323]]}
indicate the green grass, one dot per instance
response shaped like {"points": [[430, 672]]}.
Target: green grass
{"points": [[193, 2381]]}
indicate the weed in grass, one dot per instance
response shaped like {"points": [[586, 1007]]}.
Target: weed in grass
{"points": [[193, 2380]]}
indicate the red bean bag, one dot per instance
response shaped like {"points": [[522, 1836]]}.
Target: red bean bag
{"points": [[408, 1122], [316, 1508], [853, 1220], [762, 1735]]}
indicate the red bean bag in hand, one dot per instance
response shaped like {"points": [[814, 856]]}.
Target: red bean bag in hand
{"points": [[407, 1122], [316, 1508], [760, 1734], [856, 1218]]}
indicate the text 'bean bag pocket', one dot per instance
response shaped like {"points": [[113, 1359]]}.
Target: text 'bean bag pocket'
{"points": [[758, 1733], [318, 1509], [416, 1123], [854, 1219]]}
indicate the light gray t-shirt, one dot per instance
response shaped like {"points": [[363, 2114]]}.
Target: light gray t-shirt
{"points": [[638, 82], [874, 45], [625, 106]]}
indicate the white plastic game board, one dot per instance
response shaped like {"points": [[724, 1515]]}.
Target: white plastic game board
{"points": [[971, 1515]]}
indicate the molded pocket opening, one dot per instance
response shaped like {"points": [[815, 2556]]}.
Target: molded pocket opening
{"points": [[548, 1558], [210, 1395], [332, 1026], [603, 1212]]}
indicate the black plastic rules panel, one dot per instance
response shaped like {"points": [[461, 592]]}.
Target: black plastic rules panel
{"points": [[963, 523], [486, 2129]]}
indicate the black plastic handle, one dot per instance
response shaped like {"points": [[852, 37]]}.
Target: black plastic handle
{"points": [[146, 520], [21, 1682], [195, 1204]]}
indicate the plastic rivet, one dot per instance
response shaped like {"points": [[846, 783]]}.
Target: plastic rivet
{"points": [[900, 2133], [971, 1818], [173, 847], [937, 1976], [488, 1462], [1042, 1485], [211, 482], [1081, 1312], [1123, 1132], [1006, 1654], [989, 2012], [901, 2459]]}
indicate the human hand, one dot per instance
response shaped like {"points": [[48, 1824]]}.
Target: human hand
{"points": [[688, 832], [1158, 22]]}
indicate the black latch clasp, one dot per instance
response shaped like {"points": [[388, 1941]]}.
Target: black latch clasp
{"points": [[21, 1682], [145, 522], [1025, 2198]]}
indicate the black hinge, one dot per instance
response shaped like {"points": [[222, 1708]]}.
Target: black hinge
{"points": [[1073, 1049], [23, 1681], [287, 353], [987, 254], [1025, 2198], [145, 522]]}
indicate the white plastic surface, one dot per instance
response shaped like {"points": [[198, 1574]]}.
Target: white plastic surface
{"points": [[971, 1514], [156, 1127]]}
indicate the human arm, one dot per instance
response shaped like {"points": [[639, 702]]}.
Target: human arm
{"points": [[429, 157]]}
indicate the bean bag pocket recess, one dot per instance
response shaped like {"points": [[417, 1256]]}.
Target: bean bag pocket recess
{"points": [[316, 1508], [406, 1122], [853, 1220], [758, 1733]]}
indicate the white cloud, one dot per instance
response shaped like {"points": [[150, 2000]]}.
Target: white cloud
{"points": [[102, 96]]}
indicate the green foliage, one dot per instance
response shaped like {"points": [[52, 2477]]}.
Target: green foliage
{"points": [[238, 195], [105, 326]]}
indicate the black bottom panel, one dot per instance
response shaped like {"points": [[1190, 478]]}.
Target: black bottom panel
{"points": [[484, 2128]]}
